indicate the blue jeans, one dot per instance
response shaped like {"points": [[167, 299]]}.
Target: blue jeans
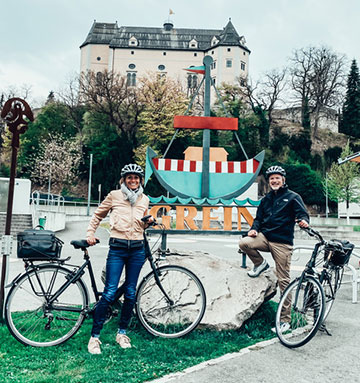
{"points": [[133, 260]]}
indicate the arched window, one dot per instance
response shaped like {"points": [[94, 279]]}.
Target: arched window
{"points": [[131, 79], [99, 77], [192, 81]]}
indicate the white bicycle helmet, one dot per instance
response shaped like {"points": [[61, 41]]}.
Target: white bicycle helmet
{"points": [[275, 169], [132, 169]]}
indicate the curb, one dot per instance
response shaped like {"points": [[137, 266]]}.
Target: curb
{"points": [[213, 362]]}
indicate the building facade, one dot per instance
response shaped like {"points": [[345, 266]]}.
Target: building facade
{"points": [[138, 51]]}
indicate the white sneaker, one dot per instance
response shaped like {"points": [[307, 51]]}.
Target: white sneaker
{"points": [[257, 270], [123, 340], [284, 326], [94, 346]]}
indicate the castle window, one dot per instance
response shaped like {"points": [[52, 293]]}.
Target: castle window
{"points": [[132, 52], [195, 54], [229, 49], [98, 58], [164, 53], [99, 77], [214, 41], [161, 67], [192, 81], [133, 41], [131, 79], [242, 65], [132, 66], [228, 63], [193, 44]]}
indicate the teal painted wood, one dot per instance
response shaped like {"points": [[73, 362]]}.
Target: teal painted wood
{"points": [[202, 202], [188, 184], [205, 180]]}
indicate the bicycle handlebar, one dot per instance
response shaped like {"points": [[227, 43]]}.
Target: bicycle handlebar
{"points": [[313, 233], [146, 218]]}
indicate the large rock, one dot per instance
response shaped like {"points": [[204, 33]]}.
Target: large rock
{"points": [[232, 296]]}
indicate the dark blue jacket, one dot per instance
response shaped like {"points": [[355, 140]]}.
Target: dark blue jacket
{"points": [[276, 215]]}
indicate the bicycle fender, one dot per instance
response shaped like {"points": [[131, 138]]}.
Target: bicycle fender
{"points": [[14, 281]]}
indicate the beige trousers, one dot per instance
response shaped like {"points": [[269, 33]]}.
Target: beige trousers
{"points": [[281, 254]]}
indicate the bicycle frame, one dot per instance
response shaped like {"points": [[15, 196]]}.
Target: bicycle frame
{"points": [[77, 273]]}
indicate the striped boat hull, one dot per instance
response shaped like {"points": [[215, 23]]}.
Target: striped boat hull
{"points": [[182, 178]]}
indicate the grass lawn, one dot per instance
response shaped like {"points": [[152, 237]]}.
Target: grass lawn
{"points": [[149, 358]]}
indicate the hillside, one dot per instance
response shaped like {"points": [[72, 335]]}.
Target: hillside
{"points": [[325, 138]]}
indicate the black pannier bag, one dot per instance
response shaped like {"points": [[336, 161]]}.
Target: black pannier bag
{"points": [[38, 245], [339, 252]]}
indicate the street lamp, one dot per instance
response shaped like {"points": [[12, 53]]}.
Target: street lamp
{"points": [[89, 188]]}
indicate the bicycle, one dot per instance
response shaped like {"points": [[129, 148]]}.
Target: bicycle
{"points": [[170, 300], [313, 293]]}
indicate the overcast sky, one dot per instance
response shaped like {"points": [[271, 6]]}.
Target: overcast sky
{"points": [[40, 39]]}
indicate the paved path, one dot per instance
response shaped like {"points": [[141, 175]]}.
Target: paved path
{"points": [[325, 359]]}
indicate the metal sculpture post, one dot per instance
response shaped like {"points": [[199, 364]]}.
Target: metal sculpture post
{"points": [[14, 113], [206, 134]]}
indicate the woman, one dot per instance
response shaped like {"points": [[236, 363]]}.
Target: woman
{"points": [[127, 206]]}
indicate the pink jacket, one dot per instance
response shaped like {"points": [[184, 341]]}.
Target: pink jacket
{"points": [[125, 220]]}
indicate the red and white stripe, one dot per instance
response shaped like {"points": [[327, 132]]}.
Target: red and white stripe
{"points": [[249, 166]]}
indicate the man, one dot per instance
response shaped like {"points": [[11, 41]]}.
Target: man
{"points": [[273, 231]]}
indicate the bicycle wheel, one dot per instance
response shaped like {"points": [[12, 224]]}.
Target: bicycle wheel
{"points": [[330, 280], [32, 320], [307, 310], [178, 317]]}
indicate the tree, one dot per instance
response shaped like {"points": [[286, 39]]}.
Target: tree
{"points": [[343, 181], [71, 98], [305, 181], [350, 122], [317, 74], [110, 151], [266, 94], [57, 162], [163, 99], [252, 124], [108, 93], [53, 119]]}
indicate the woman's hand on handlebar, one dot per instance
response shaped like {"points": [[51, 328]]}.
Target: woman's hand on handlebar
{"points": [[149, 220], [92, 240]]}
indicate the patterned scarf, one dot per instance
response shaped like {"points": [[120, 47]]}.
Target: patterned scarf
{"points": [[131, 195]]}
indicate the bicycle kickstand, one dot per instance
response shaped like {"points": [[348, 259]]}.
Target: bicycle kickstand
{"points": [[324, 329]]}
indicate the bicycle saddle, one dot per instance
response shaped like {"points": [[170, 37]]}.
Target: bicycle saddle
{"points": [[80, 244]]}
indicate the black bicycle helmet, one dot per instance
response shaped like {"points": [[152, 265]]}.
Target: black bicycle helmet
{"points": [[275, 169], [132, 169]]}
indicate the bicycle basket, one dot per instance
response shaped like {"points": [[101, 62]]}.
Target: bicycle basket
{"points": [[38, 245], [339, 252]]}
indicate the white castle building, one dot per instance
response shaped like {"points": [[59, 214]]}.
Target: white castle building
{"points": [[137, 51]]}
